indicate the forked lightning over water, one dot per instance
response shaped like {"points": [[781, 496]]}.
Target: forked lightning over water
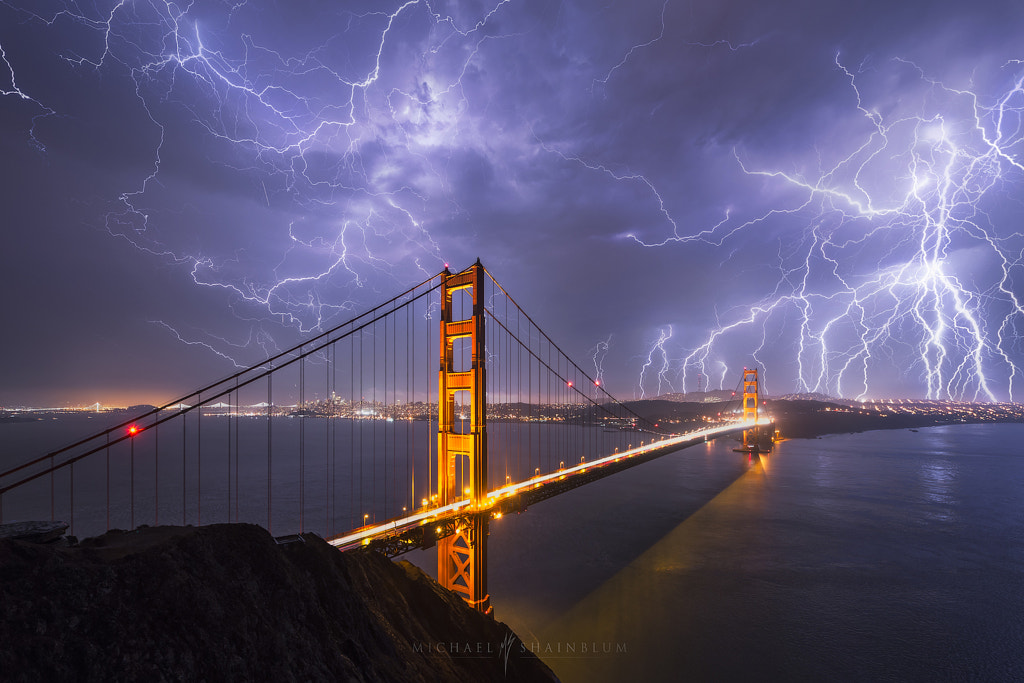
{"points": [[901, 257]]}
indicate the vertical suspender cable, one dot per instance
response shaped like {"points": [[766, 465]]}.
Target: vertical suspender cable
{"points": [[238, 399], [302, 440], [396, 491], [156, 471], [108, 480], [352, 433], [362, 408], [373, 434], [331, 436], [270, 454], [392, 413], [199, 460], [72, 497], [184, 471], [131, 476], [430, 422], [227, 507], [382, 415], [508, 399], [410, 375]]}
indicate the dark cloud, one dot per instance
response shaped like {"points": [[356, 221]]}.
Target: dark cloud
{"points": [[172, 171]]}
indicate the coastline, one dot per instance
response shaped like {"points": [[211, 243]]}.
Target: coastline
{"points": [[816, 424]]}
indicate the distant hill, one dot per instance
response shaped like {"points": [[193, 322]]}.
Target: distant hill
{"points": [[697, 397], [809, 415], [727, 395], [810, 396], [680, 415]]}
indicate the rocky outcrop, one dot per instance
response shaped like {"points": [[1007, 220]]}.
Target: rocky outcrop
{"points": [[227, 603]]}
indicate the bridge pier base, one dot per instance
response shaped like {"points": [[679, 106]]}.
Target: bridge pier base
{"points": [[462, 563]]}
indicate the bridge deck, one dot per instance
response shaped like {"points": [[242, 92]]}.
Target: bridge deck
{"points": [[423, 528]]}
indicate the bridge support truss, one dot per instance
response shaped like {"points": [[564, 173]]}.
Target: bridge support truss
{"points": [[462, 453]]}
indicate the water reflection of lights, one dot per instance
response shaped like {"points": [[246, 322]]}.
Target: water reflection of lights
{"points": [[766, 460], [937, 479], [822, 474]]}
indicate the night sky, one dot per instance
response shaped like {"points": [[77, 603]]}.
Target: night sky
{"points": [[830, 190]]}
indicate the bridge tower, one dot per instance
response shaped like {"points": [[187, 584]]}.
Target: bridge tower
{"points": [[750, 400], [462, 557]]}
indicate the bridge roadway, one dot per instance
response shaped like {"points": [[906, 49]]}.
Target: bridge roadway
{"points": [[422, 529]]}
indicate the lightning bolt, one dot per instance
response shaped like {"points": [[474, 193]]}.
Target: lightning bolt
{"points": [[902, 261], [628, 54], [328, 134], [213, 349], [13, 90], [657, 354], [939, 299], [600, 352]]}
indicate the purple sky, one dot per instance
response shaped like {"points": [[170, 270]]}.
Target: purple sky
{"points": [[831, 190]]}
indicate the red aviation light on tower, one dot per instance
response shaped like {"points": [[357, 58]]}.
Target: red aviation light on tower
{"points": [[569, 384]]}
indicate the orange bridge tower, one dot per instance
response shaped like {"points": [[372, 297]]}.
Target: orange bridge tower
{"points": [[462, 452], [750, 400]]}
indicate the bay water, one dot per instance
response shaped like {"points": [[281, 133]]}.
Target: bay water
{"points": [[886, 555]]}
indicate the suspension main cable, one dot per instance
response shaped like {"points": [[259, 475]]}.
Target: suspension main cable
{"points": [[550, 341]]}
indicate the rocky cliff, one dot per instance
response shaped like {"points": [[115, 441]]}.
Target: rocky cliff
{"points": [[227, 603]]}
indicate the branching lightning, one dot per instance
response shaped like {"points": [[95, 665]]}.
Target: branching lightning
{"points": [[12, 90], [657, 361], [901, 264], [332, 134], [892, 249], [600, 353], [221, 343], [912, 194]]}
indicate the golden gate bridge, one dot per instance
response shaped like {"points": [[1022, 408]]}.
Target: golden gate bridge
{"points": [[411, 425]]}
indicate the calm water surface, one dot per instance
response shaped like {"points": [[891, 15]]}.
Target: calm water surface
{"points": [[889, 555], [321, 475]]}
